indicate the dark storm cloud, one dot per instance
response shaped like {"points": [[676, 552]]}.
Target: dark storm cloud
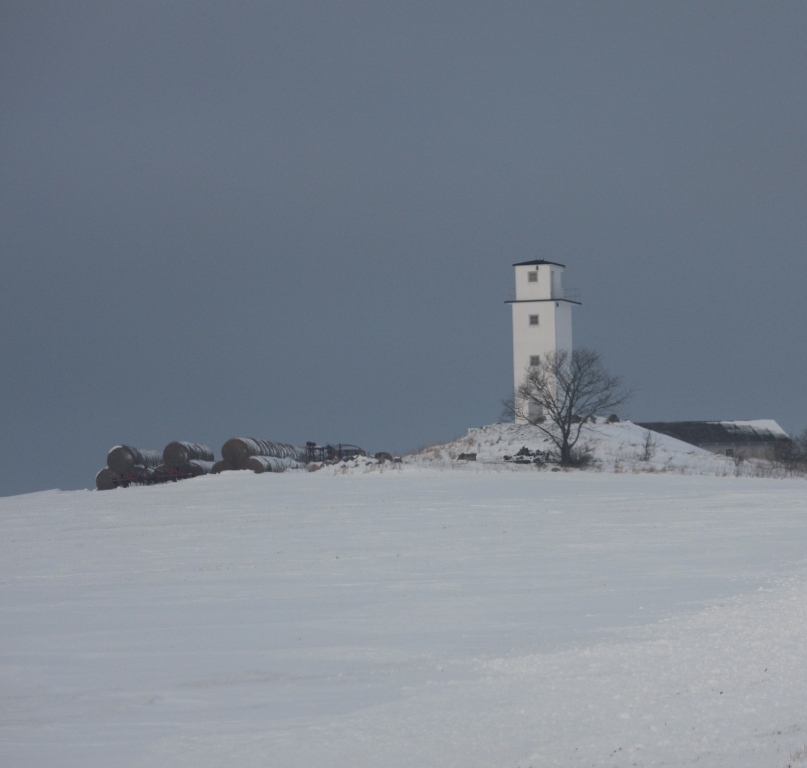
{"points": [[296, 220]]}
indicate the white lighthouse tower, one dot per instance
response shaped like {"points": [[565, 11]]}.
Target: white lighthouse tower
{"points": [[542, 316]]}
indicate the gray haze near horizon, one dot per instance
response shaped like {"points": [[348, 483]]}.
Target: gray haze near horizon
{"points": [[297, 220]]}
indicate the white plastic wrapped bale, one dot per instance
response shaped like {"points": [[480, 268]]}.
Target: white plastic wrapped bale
{"points": [[122, 459], [179, 453], [238, 451], [261, 464]]}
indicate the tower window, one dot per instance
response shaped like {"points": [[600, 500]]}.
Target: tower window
{"points": [[532, 277], [535, 360], [533, 319]]}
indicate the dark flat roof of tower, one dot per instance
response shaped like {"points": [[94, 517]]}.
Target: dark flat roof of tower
{"points": [[538, 261]]}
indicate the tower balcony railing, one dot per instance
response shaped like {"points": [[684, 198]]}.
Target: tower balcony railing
{"points": [[569, 293]]}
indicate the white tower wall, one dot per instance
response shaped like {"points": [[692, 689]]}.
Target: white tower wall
{"points": [[539, 298]]}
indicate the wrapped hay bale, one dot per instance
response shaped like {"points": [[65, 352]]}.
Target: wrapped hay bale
{"points": [[122, 459], [261, 464], [178, 453], [196, 468], [105, 479], [140, 474], [193, 468], [221, 466], [238, 451]]}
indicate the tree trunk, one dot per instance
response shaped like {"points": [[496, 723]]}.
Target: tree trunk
{"points": [[566, 455]]}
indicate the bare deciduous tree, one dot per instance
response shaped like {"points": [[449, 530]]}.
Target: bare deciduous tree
{"points": [[648, 447], [563, 391], [792, 453]]}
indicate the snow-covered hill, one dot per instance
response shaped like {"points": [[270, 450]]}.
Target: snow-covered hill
{"points": [[610, 445], [619, 447], [419, 617]]}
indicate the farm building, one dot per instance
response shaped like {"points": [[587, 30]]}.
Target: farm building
{"points": [[741, 439]]}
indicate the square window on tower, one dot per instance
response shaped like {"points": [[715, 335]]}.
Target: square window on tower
{"points": [[532, 277], [533, 319], [535, 360]]}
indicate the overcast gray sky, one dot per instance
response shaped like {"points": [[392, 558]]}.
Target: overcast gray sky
{"points": [[296, 220]]}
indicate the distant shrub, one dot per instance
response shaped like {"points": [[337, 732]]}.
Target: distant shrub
{"points": [[582, 457], [792, 453]]}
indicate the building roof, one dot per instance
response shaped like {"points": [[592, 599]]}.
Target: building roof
{"points": [[711, 432], [536, 262], [538, 301]]}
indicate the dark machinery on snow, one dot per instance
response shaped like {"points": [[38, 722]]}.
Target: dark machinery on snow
{"points": [[331, 453]]}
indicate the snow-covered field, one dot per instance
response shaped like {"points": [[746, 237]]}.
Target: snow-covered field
{"points": [[406, 618]]}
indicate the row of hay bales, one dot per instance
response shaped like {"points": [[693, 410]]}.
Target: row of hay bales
{"points": [[259, 455], [180, 460], [177, 461]]}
